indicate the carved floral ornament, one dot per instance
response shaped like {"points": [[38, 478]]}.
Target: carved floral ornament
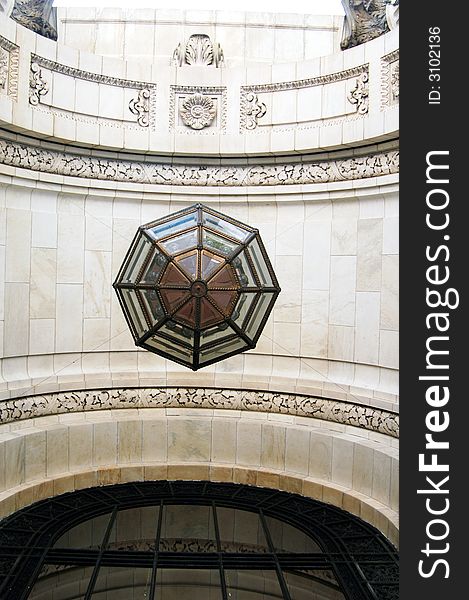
{"points": [[198, 111], [199, 51]]}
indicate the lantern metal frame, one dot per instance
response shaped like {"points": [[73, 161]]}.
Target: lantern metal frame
{"points": [[171, 304]]}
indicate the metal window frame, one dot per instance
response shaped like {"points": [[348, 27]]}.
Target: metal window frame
{"points": [[364, 563]]}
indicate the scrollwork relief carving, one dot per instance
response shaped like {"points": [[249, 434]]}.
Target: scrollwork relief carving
{"points": [[198, 111], [254, 110], [140, 106], [38, 86], [359, 94], [356, 415], [37, 158]]}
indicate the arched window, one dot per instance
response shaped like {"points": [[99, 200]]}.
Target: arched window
{"points": [[191, 540]]}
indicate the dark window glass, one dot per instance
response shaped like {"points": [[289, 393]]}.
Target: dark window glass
{"points": [[253, 585], [121, 583], [85, 535], [58, 582], [286, 538], [138, 257], [188, 529], [240, 531], [314, 585], [188, 584]]}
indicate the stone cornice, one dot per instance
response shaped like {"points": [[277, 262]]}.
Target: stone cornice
{"points": [[46, 160], [346, 413]]}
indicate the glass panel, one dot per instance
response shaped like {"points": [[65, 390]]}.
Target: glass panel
{"points": [[85, 535], [259, 263], [218, 244], [189, 264], [180, 243], [61, 583], [224, 299], [171, 348], [209, 264], [225, 227], [187, 529], [317, 584], [224, 278], [177, 331], [173, 298], [135, 311], [186, 313], [153, 305], [126, 583], [240, 531], [287, 538], [242, 307], [258, 314], [139, 254], [188, 584], [243, 270], [154, 269], [173, 276], [221, 350], [208, 313], [215, 333], [173, 226], [253, 585], [134, 529]]}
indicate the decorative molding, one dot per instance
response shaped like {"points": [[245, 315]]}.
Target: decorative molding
{"points": [[252, 110], [38, 86], [143, 106], [305, 83], [37, 158], [198, 111], [140, 106], [9, 67], [335, 411], [199, 51], [359, 94], [211, 92], [364, 20], [249, 93], [390, 79], [51, 65], [392, 13]]}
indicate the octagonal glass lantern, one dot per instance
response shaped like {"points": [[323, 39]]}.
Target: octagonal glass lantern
{"points": [[196, 287]]}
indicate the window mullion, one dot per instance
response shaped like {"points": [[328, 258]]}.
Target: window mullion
{"points": [[220, 555], [104, 543], [283, 585]]}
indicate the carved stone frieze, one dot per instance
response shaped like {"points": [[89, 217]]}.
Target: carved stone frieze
{"points": [[254, 109], [199, 51], [4, 64], [37, 158], [335, 411], [364, 20], [143, 105], [359, 94], [140, 106], [390, 79], [198, 111], [9, 67], [38, 86], [250, 105]]}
